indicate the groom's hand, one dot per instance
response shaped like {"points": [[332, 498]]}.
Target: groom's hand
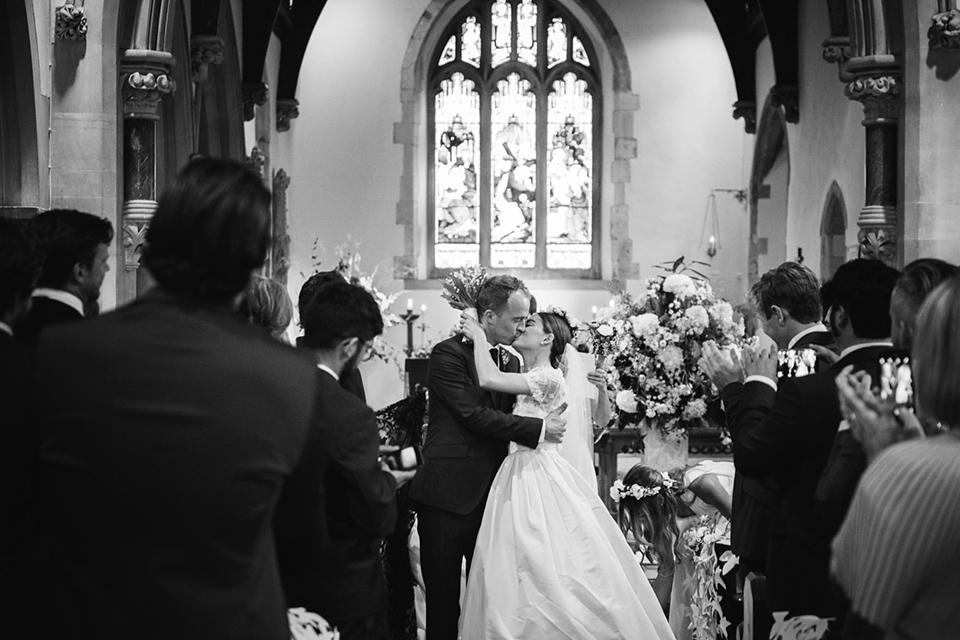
{"points": [[555, 424]]}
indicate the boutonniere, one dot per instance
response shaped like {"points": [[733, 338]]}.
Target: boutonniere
{"points": [[504, 356]]}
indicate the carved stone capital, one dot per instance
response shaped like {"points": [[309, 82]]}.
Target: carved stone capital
{"points": [[788, 98], [280, 182], [254, 94], [287, 110], [71, 22], [944, 33], [880, 96], [836, 49], [204, 51], [748, 111], [144, 82], [136, 220], [878, 244], [256, 160]]}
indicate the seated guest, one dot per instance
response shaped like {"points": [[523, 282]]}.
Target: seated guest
{"points": [[352, 381], [343, 581], [897, 555], [167, 429], [76, 247], [787, 429], [20, 263], [267, 305]]}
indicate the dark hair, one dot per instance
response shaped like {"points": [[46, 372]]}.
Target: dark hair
{"points": [[340, 311], [652, 519], [20, 263], [916, 281], [792, 287], [562, 334], [935, 352], [313, 284], [267, 305], [496, 291], [210, 232], [68, 237], [863, 287]]}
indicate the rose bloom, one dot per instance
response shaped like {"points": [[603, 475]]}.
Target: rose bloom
{"points": [[723, 312], [699, 320], [627, 401], [679, 285], [671, 357], [605, 330]]}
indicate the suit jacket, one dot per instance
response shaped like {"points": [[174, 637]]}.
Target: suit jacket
{"points": [[19, 507], [788, 433], [468, 430], [343, 575], [43, 313], [167, 430]]}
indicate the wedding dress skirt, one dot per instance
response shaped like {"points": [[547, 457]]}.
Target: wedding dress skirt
{"points": [[550, 562]]}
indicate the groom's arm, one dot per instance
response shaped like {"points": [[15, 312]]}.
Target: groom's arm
{"points": [[449, 379]]}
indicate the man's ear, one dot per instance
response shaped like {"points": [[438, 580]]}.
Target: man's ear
{"points": [[781, 314], [840, 319], [79, 272], [348, 347]]}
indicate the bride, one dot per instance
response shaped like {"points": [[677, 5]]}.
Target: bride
{"points": [[550, 562]]}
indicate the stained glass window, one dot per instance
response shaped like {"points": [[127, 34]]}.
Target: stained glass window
{"points": [[513, 148]]}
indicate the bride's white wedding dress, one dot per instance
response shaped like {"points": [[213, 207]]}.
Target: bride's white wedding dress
{"points": [[550, 562]]}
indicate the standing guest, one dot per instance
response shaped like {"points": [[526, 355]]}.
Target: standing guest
{"points": [[918, 279], [343, 581], [352, 381], [167, 429], [20, 263], [267, 305], [787, 429], [897, 554], [76, 247]]}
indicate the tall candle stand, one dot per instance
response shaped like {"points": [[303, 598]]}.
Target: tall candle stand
{"points": [[409, 317]]}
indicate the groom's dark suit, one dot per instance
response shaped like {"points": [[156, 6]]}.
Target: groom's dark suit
{"points": [[468, 431]]}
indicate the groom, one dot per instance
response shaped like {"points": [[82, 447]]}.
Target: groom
{"points": [[468, 431]]}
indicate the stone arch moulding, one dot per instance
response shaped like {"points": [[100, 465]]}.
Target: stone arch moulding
{"points": [[409, 133], [833, 225], [771, 140]]}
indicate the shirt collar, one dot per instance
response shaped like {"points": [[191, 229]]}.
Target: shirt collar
{"points": [[864, 345], [324, 367], [5, 328], [61, 296], [814, 328]]}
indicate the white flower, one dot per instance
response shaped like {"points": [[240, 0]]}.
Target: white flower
{"points": [[679, 285], [605, 330], [699, 320], [695, 409], [627, 401], [671, 357], [615, 490], [723, 312], [645, 324]]}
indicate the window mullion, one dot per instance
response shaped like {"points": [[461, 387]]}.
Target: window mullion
{"points": [[484, 185], [541, 236]]}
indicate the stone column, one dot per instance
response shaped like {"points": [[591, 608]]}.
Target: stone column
{"points": [[144, 81], [280, 246], [878, 235]]}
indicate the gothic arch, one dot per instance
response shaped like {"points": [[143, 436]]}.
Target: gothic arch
{"points": [[833, 232], [409, 133]]}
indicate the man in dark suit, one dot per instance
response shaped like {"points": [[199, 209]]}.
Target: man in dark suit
{"points": [[787, 428], [20, 263], [76, 247], [343, 581], [167, 429], [468, 430]]}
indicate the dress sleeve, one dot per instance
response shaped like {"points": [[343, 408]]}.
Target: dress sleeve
{"points": [[544, 383]]}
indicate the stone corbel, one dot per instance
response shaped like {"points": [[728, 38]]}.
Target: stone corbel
{"points": [[71, 22], [136, 221], [254, 94], [204, 51], [944, 33], [287, 110], [748, 111], [836, 50], [787, 98], [256, 160], [145, 81]]}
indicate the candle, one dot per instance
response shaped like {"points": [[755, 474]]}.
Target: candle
{"points": [[423, 310], [409, 304], [594, 310]]}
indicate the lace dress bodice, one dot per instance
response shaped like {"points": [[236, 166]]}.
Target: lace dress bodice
{"points": [[548, 390]]}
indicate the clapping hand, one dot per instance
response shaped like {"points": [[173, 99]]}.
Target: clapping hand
{"points": [[721, 366], [875, 423], [555, 424], [761, 362], [598, 378], [470, 327]]}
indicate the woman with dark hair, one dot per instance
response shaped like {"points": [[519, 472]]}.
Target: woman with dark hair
{"points": [[549, 561]]}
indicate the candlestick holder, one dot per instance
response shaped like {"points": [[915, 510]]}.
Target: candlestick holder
{"points": [[409, 317]]}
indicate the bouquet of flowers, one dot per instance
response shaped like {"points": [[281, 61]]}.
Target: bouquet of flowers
{"points": [[460, 288], [706, 616], [305, 625], [806, 627], [654, 344]]}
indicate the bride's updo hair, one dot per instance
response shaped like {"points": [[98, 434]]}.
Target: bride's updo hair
{"points": [[652, 518], [562, 334]]}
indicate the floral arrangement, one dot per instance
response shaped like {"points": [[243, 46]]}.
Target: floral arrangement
{"points": [[653, 343], [706, 616], [798, 627], [305, 625], [460, 288]]}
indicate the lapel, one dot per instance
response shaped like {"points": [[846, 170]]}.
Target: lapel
{"points": [[493, 397]]}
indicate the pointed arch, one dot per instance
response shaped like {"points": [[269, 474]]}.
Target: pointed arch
{"points": [[833, 233]]}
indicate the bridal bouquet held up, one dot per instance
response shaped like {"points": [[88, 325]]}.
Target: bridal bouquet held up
{"points": [[653, 344]]}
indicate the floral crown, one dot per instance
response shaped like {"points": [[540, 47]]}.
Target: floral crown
{"points": [[619, 491], [558, 311]]}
